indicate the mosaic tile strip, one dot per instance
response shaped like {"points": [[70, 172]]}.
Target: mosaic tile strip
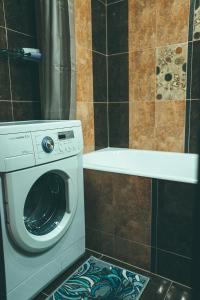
{"points": [[96, 279], [171, 71]]}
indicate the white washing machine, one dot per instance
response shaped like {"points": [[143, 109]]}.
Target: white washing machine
{"points": [[41, 202]]}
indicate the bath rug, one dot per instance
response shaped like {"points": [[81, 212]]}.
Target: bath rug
{"points": [[97, 279]]}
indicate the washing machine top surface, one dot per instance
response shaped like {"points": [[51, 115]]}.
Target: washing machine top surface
{"points": [[31, 143]]}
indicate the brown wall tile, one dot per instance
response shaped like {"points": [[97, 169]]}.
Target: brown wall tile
{"points": [[172, 21], [118, 208], [132, 253], [85, 113], [83, 27], [142, 75], [100, 241], [99, 200], [141, 125], [142, 24], [132, 206]]}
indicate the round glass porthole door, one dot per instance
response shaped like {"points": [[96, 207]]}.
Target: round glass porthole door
{"points": [[46, 203]]}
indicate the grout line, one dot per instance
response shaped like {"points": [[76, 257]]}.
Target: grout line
{"points": [[19, 32], [115, 2], [102, 2], [107, 78], [145, 271], [168, 290], [118, 53], [95, 51]]}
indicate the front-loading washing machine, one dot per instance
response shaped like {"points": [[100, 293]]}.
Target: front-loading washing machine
{"points": [[41, 202]]}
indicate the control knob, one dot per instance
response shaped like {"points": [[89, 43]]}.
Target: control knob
{"points": [[47, 144]]}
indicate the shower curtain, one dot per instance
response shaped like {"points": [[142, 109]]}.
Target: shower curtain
{"points": [[57, 73]]}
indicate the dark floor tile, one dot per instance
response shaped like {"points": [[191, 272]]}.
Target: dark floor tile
{"points": [[118, 27], [5, 111], [178, 292], [4, 71], [98, 26], [194, 126], [118, 84], [26, 111], [101, 125], [175, 217], [99, 200], [174, 267], [157, 286], [132, 208], [132, 253], [99, 77], [61, 278], [24, 75], [119, 125], [20, 15], [195, 88], [100, 241]]}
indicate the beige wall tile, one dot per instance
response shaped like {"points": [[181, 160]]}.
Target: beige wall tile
{"points": [[170, 126], [169, 138], [172, 21], [141, 125], [84, 80], [83, 27], [85, 113], [142, 24], [170, 113], [142, 75]]}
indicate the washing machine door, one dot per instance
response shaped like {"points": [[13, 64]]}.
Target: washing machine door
{"points": [[41, 203]]}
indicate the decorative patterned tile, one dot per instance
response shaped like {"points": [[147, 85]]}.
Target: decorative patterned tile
{"points": [[171, 73], [196, 30]]}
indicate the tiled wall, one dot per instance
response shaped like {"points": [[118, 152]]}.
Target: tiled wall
{"points": [[147, 223], [138, 73], [91, 66], [19, 84]]}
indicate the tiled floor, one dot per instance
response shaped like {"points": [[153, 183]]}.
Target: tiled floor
{"points": [[158, 288]]}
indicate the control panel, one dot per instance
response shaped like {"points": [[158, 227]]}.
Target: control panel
{"points": [[33, 147], [55, 144]]}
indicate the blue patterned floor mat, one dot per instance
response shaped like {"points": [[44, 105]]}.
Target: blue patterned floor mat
{"points": [[97, 279]]}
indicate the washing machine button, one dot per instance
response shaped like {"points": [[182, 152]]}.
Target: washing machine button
{"points": [[61, 148]]}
